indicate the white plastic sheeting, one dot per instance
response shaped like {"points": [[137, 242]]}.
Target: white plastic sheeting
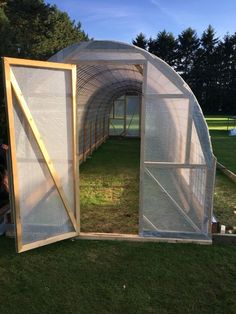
{"points": [[177, 163], [47, 93], [125, 116]]}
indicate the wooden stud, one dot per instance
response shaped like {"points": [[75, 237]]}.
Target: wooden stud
{"points": [[15, 194], [140, 109], [139, 68], [39, 64], [84, 141], [142, 144], [189, 132], [135, 238], [91, 125], [75, 136], [125, 115], [104, 121], [161, 164], [50, 240], [95, 133], [209, 192]]}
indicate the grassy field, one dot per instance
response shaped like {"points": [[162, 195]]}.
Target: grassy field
{"points": [[224, 146], [117, 277], [220, 123], [225, 200]]}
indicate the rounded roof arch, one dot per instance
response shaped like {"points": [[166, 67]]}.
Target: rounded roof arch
{"points": [[109, 68]]}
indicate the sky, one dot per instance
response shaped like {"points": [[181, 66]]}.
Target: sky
{"points": [[122, 20]]}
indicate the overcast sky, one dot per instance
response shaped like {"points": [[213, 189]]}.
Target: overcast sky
{"points": [[122, 20]]}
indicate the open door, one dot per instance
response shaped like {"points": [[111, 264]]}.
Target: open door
{"points": [[41, 104]]}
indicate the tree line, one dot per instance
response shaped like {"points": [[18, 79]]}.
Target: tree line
{"points": [[32, 29], [206, 63]]}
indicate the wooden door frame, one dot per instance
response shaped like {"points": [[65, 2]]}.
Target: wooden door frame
{"points": [[11, 87]]}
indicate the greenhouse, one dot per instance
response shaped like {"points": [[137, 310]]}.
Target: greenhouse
{"points": [[60, 111]]}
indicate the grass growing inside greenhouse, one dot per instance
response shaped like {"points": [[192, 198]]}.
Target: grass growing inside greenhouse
{"points": [[117, 277], [109, 187]]}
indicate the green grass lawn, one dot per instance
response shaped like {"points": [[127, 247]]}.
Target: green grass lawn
{"points": [[120, 277], [224, 146], [117, 277], [220, 123], [225, 200]]}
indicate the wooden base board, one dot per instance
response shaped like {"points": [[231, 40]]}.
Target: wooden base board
{"points": [[83, 156], [135, 238], [229, 239], [227, 172]]}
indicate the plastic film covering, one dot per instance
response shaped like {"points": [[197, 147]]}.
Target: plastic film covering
{"points": [[177, 173], [47, 93], [180, 194], [133, 116], [106, 71], [166, 128], [177, 163], [98, 87], [125, 116]]}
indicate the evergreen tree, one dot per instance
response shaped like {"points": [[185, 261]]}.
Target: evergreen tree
{"points": [[207, 64], [35, 30], [4, 30], [226, 53], [188, 44], [140, 41], [39, 30], [231, 104], [204, 78], [164, 46]]}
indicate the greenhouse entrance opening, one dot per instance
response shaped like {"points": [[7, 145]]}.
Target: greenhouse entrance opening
{"points": [[109, 179], [109, 187]]}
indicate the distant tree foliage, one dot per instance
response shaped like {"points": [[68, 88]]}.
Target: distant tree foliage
{"points": [[140, 41], [164, 46], [207, 64], [33, 29], [38, 30], [187, 46]]}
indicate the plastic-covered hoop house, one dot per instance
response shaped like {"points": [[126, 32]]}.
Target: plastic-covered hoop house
{"points": [[177, 164]]}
